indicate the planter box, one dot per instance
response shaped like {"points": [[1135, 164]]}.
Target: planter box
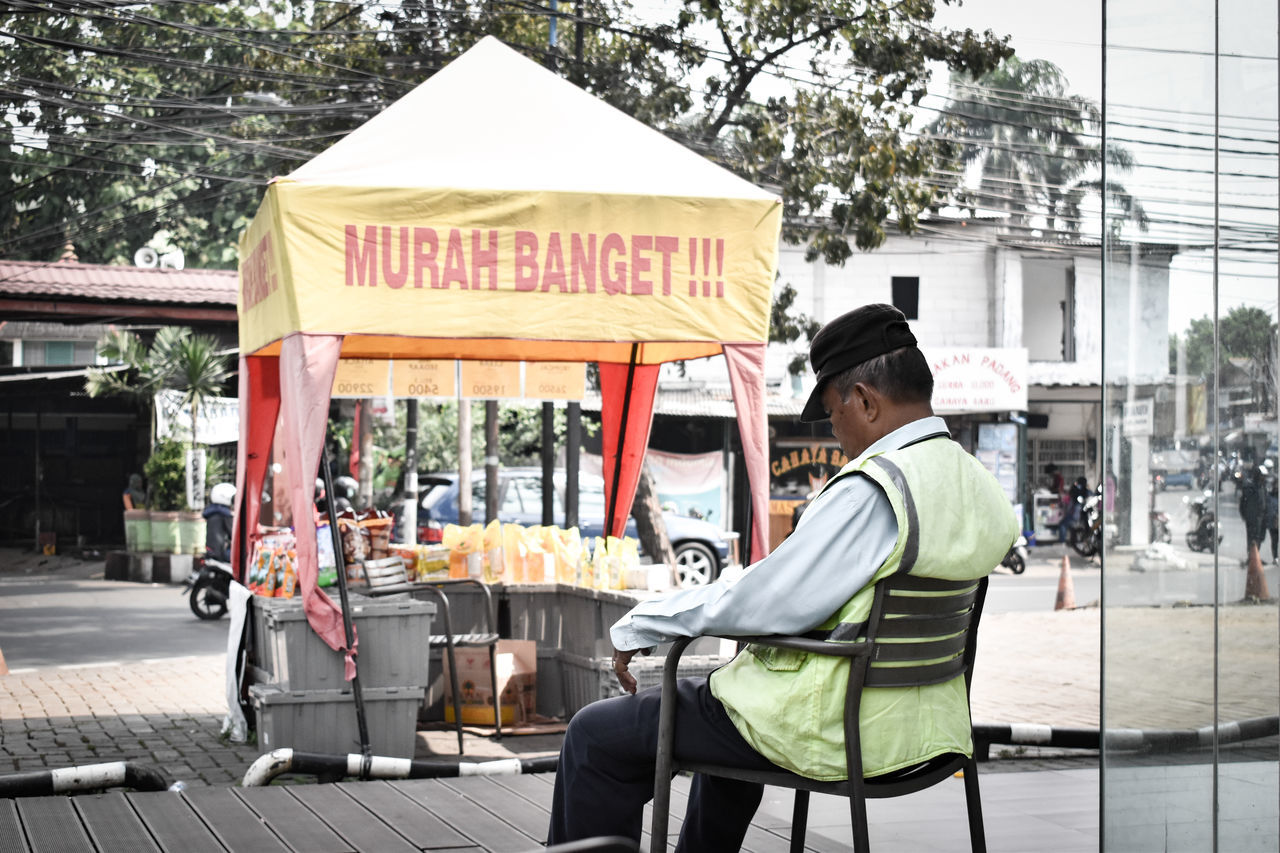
{"points": [[324, 721]]}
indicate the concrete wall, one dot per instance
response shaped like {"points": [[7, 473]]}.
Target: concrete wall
{"points": [[956, 290]]}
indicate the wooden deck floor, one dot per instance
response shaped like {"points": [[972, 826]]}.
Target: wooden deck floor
{"points": [[500, 814]]}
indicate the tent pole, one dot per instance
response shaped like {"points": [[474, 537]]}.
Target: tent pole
{"points": [[548, 462], [340, 562], [622, 434], [572, 458]]}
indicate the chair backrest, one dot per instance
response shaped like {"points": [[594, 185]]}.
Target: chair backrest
{"points": [[385, 572], [923, 630]]}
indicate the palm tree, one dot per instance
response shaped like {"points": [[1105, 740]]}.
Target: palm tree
{"points": [[176, 359], [1031, 143]]}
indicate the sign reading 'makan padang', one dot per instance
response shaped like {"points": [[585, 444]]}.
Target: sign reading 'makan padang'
{"points": [[972, 379]]}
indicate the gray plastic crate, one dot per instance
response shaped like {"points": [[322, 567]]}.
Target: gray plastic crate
{"points": [[324, 721], [589, 679], [394, 637]]}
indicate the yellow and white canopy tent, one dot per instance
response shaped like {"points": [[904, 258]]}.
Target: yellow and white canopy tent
{"points": [[498, 212]]}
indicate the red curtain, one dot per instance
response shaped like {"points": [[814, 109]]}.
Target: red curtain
{"points": [[626, 412], [259, 408], [746, 377], [307, 367]]}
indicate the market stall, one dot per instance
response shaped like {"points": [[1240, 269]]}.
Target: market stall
{"points": [[498, 212]]}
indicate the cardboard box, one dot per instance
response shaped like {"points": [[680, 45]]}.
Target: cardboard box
{"points": [[517, 662]]}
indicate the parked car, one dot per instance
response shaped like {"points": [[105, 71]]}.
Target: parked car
{"points": [[1178, 479], [702, 549]]}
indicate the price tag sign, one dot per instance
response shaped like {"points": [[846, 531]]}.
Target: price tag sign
{"points": [[555, 380], [362, 377], [424, 378], [490, 380]]}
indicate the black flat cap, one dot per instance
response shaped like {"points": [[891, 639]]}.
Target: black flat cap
{"points": [[849, 340]]}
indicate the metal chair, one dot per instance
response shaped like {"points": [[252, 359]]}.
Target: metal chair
{"points": [[920, 631], [390, 577]]}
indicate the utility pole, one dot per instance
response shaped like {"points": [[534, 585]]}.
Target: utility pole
{"points": [[490, 460], [409, 530], [464, 461]]}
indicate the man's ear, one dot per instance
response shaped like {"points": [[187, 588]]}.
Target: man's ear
{"points": [[867, 399]]}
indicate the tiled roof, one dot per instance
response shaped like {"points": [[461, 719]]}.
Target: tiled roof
{"points": [[98, 282]]}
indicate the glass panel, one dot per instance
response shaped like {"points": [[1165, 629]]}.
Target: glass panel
{"points": [[1248, 688], [1190, 657]]}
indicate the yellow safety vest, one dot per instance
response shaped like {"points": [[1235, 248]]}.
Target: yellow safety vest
{"points": [[954, 522]]}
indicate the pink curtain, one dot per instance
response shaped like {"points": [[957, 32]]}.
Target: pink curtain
{"points": [[259, 408], [307, 367], [635, 410], [746, 377]]}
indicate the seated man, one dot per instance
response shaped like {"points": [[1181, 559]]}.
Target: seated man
{"points": [[910, 500]]}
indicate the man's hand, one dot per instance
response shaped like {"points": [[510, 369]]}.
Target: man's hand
{"points": [[620, 662]]}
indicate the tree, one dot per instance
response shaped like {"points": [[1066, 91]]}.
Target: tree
{"points": [[1031, 144], [1244, 332], [132, 119], [176, 359]]}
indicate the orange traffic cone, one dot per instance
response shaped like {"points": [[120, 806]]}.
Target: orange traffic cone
{"points": [[1255, 582], [1066, 589]]}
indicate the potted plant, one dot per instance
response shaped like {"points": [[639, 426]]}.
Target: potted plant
{"points": [[191, 364], [167, 488]]}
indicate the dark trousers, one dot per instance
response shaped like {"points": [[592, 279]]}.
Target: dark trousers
{"points": [[608, 760]]}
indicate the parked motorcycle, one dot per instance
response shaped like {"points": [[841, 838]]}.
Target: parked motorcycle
{"points": [[1203, 535], [1016, 560], [208, 589], [1086, 535]]}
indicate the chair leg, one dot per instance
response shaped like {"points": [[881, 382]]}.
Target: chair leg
{"points": [[799, 821], [497, 697], [858, 817], [457, 692], [973, 798]]}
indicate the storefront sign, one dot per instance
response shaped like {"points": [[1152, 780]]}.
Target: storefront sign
{"points": [[424, 378], [490, 380], [555, 380], [218, 421], [362, 377], [798, 470], [971, 379], [1139, 417]]}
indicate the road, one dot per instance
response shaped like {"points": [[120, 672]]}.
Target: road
{"points": [[54, 621]]}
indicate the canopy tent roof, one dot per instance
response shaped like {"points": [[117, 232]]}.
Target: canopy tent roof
{"points": [[498, 202], [498, 212]]}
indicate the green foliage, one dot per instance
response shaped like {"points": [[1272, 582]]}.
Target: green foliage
{"points": [[784, 327], [176, 359], [166, 472], [519, 438], [144, 122], [1030, 140], [1244, 332]]}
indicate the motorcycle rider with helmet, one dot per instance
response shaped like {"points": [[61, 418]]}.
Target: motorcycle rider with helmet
{"points": [[218, 520]]}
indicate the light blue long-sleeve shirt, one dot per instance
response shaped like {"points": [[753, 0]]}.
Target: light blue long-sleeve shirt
{"points": [[843, 537]]}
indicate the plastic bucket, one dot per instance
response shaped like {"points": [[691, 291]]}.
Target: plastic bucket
{"points": [[137, 531], [191, 533], [164, 533]]}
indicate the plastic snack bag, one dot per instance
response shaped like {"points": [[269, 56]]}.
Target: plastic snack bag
{"points": [[494, 569], [464, 550], [513, 553]]}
